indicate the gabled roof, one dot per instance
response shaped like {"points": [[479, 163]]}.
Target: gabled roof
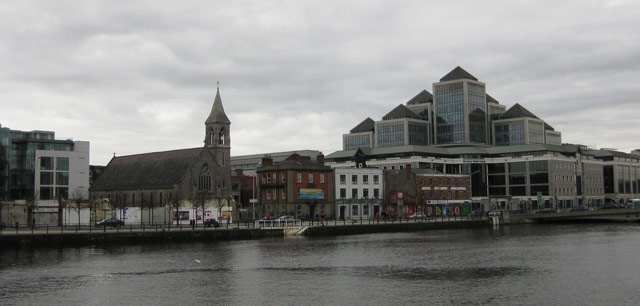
{"points": [[367, 125], [217, 114], [457, 74], [517, 111], [421, 98], [400, 112], [490, 99], [151, 170]]}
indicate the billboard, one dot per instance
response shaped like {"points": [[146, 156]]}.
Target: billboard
{"points": [[311, 194]]}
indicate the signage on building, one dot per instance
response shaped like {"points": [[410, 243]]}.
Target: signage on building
{"points": [[473, 161], [311, 194]]}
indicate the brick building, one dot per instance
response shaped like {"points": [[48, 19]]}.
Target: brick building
{"points": [[296, 186]]}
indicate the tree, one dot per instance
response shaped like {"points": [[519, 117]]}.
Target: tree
{"points": [[118, 201], [77, 197], [174, 202]]}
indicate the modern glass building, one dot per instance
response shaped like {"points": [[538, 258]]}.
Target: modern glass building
{"points": [[519, 126], [36, 165], [460, 105]]}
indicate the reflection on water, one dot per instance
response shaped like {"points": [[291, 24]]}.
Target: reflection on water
{"points": [[524, 265]]}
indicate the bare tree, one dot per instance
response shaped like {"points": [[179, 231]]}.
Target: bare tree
{"points": [[174, 203], [77, 197], [119, 201]]}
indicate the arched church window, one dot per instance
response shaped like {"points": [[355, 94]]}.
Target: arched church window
{"points": [[212, 137], [204, 180], [221, 136]]}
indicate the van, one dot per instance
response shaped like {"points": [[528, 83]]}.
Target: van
{"points": [[634, 203]]}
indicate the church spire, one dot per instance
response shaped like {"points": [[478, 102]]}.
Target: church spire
{"points": [[217, 114]]}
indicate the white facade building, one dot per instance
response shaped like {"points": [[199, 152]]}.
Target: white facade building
{"points": [[359, 192]]}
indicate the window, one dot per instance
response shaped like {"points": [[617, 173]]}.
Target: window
{"points": [[321, 178], [274, 178], [343, 179], [268, 178], [365, 179], [204, 181], [299, 177], [354, 210], [284, 194], [365, 193], [275, 194], [284, 178], [263, 178], [354, 179], [375, 179], [46, 178], [46, 163], [62, 163], [365, 210], [376, 193], [310, 178], [354, 193], [62, 178], [268, 195], [343, 193]]}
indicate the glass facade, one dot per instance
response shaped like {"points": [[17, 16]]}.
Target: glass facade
{"points": [[510, 133], [450, 117], [353, 142], [477, 113], [418, 133], [390, 134], [20, 153]]}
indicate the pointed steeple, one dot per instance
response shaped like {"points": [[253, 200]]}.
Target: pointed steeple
{"points": [[217, 114]]}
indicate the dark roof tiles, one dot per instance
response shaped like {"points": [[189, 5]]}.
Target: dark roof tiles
{"points": [[367, 125], [400, 112], [457, 74]]}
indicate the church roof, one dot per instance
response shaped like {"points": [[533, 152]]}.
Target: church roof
{"points": [[517, 111], [367, 125], [457, 74], [422, 97], [217, 114], [400, 112], [150, 170]]}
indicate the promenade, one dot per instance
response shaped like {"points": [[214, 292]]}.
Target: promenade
{"points": [[158, 233]]}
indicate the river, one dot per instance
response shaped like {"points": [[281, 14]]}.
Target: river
{"points": [[581, 264]]}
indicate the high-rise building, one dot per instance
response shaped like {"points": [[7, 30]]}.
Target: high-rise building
{"points": [[460, 105]]}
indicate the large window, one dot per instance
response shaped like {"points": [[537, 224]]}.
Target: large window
{"points": [[46, 163], [449, 104], [62, 178], [62, 163], [390, 134]]}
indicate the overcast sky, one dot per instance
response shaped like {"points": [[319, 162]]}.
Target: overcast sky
{"points": [[140, 76]]}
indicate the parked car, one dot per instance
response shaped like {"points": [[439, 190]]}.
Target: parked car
{"points": [[580, 208], [211, 223], [113, 222], [285, 218], [417, 216], [546, 211]]}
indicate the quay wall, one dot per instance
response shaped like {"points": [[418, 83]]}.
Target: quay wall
{"points": [[135, 237], [357, 229]]}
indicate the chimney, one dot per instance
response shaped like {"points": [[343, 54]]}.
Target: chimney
{"points": [[408, 170], [320, 158], [267, 161]]}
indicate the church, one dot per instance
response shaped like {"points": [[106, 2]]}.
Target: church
{"points": [[177, 187]]}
